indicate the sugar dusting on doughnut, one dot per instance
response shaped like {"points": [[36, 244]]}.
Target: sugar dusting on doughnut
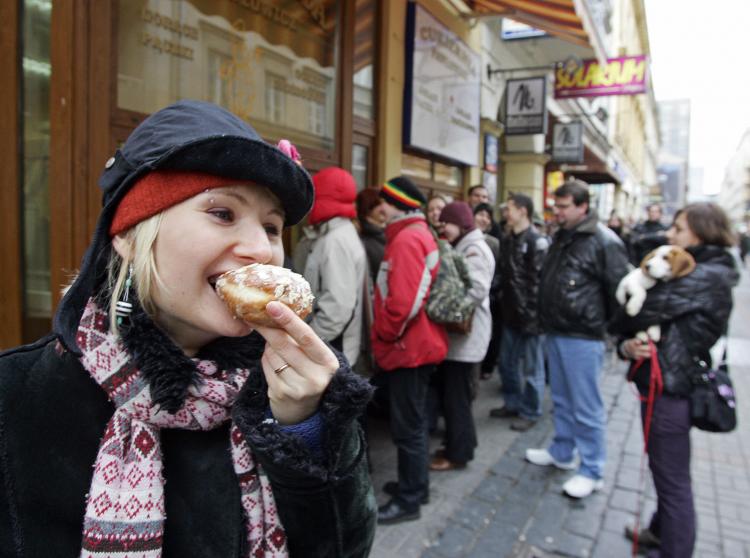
{"points": [[247, 290]]}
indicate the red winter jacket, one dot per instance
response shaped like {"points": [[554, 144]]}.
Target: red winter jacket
{"points": [[402, 334]]}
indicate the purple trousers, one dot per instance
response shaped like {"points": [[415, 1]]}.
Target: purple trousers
{"points": [[669, 461]]}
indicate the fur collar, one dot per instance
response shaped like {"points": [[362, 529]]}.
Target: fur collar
{"points": [[168, 370]]}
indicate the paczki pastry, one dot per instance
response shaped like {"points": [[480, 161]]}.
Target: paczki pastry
{"points": [[248, 289]]}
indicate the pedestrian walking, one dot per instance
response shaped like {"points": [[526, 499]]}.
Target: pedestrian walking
{"points": [[407, 345], [522, 345], [254, 427], [576, 299], [336, 264], [693, 312], [456, 376]]}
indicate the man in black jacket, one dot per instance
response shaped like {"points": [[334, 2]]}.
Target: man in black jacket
{"points": [[647, 235], [580, 275], [521, 353]]}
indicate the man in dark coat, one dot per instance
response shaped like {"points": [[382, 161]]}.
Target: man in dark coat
{"points": [[580, 276], [647, 235], [521, 350]]}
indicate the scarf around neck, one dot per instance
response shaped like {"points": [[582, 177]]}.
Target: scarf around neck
{"points": [[125, 510]]}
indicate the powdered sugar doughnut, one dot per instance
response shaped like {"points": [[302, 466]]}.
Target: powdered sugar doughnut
{"points": [[248, 289]]}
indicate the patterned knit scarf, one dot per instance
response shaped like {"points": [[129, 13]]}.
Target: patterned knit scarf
{"points": [[125, 509]]}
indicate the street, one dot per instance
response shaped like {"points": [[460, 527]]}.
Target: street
{"points": [[502, 506]]}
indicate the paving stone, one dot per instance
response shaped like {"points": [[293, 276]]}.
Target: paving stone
{"points": [[610, 545], [496, 541], [510, 467], [624, 500], [455, 541], [493, 488], [475, 515], [583, 523]]}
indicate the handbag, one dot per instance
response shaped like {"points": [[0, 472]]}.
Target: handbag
{"points": [[712, 402]]}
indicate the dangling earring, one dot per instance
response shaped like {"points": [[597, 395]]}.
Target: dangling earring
{"points": [[124, 308]]}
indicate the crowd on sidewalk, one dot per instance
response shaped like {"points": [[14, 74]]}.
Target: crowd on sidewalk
{"points": [[259, 427], [542, 307]]}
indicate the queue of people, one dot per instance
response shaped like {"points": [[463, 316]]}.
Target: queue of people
{"points": [[258, 429]]}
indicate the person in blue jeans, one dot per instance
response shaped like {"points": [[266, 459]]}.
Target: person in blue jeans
{"points": [[576, 300], [521, 348]]}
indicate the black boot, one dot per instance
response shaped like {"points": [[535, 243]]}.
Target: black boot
{"points": [[394, 512]]}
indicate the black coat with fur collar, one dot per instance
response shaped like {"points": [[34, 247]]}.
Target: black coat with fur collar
{"points": [[52, 417]]}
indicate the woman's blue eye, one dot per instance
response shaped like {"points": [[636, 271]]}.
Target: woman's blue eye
{"points": [[272, 230], [223, 214]]}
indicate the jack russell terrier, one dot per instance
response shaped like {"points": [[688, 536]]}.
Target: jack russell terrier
{"points": [[662, 264]]}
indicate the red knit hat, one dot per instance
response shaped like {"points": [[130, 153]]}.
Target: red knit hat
{"points": [[335, 192], [160, 190], [458, 213]]}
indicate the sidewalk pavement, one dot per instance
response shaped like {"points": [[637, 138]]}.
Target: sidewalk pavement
{"points": [[501, 506]]}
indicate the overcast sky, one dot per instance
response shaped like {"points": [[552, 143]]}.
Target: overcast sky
{"points": [[701, 51]]}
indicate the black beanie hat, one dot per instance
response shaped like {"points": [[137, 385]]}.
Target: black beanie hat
{"points": [[185, 136], [403, 194]]}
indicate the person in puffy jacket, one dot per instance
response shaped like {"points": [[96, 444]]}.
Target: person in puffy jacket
{"points": [[693, 312], [522, 345], [576, 299], [336, 263], [456, 375], [406, 344], [152, 422]]}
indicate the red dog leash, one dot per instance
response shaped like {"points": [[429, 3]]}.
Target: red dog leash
{"points": [[655, 388]]}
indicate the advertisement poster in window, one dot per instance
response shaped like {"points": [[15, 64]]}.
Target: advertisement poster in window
{"points": [[441, 100]]}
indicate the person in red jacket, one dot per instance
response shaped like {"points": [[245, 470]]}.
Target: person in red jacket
{"points": [[405, 343]]}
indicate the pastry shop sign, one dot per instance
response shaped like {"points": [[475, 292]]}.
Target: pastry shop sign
{"points": [[626, 75]]}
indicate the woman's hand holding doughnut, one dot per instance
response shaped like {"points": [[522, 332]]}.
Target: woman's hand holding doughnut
{"points": [[296, 390]]}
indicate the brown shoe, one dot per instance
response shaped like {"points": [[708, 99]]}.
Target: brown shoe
{"points": [[443, 464], [521, 424]]}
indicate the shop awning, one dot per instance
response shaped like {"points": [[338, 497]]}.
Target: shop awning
{"points": [[566, 19]]}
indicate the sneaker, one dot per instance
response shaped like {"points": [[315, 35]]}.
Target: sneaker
{"points": [[646, 537], [521, 424], [581, 486], [543, 458], [503, 412]]}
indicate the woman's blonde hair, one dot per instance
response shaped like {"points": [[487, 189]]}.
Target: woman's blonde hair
{"points": [[140, 255]]}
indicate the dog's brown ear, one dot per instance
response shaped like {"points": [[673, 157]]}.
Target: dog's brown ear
{"points": [[647, 258], [682, 262]]}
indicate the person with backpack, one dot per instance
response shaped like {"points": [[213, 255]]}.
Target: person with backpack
{"points": [[456, 376], [406, 344]]}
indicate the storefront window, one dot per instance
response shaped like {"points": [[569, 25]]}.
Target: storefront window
{"points": [[272, 63], [364, 56], [433, 176], [35, 167], [360, 158]]}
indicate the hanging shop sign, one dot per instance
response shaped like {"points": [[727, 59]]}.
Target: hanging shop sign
{"points": [[525, 106], [567, 142], [626, 75], [441, 100]]}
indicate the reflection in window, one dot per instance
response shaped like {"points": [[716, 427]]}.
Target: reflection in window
{"points": [[364, 49], [35, 168], [276, 69], [360, 166]]}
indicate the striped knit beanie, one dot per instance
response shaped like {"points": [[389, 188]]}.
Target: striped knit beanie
{"points": [[403, 194]]}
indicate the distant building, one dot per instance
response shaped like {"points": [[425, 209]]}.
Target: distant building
{"points": [[734, 196], [674, 155]]}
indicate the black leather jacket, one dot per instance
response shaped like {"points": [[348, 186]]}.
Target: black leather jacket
{"points": [[521, 259], [644, 238], [579, 279], [693, 312]]}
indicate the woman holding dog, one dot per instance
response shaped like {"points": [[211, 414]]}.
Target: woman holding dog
{"points": [[693, 312]]}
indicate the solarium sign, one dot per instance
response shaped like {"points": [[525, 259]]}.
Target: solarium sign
{"points": [[627, 75]]}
